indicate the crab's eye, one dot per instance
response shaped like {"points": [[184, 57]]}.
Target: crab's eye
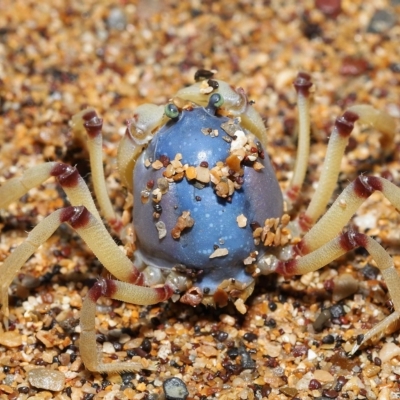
{"points": [[216, 100], [171, 111]]}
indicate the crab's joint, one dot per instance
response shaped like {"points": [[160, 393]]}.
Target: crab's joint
{"points": [[364, 186], [67, 176], [303, 84], [92, 123], [345, 123], [77, 217], [103, 287]]}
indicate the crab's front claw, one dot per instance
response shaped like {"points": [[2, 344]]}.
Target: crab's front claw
{"points": [[145, 121]]}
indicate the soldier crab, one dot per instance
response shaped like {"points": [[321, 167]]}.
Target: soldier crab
{"points": [[208, 214]]}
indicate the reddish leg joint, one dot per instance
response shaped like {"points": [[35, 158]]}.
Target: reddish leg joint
{"points": [[164, 292], [136, 277], [77, 217], [350, 240], [364, 186], [103, 287], [93, 124], [286, 268], [345, 123], [66, 175], [303, 83]]}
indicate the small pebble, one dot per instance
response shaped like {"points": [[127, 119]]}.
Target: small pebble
{"points": [[175, 389], [116, 19], [389, 351], [323, 376], [48, 379], [381, 21], [10, 339], [331, 8]]}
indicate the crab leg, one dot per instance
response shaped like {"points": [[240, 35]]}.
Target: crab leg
{"points": [[343, 209], [67, 176], [336, 147], [89, 122], [92, 231], [337, 247], [302, 85], [120, 291]]}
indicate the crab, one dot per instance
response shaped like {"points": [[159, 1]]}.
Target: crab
{"points": [[209, 216]]}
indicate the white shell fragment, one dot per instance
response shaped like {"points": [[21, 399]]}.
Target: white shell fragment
{"points": [[241, 221], [162, 230], [203, 174], [239, 141], [219, 253], [48, 379]]}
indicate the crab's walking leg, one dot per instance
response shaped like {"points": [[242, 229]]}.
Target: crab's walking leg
{"points": [[336, 248], [67, 176], [18, 257], [343, 209], [336, 147], [121, 291], [302, 85], [92, 231], [89, 122]]}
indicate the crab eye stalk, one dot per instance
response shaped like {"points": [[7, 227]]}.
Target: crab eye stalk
{"points": [[215, 101], [171, 111]]}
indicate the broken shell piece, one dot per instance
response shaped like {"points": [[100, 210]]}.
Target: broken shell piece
{"points": [[162, 231], [231, 126], [222, 189], [233, 162], [258, 166], [163, 185], [241, 220], [157, 164], [203, 174], [206, 131], [205, 88], [249, 260], [184, 221], [220, 252], [214, 133], [240, 306], [191, 173], [193, 296], [239, 141], [157, 195]]}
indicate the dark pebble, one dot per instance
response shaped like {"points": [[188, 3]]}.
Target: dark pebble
{"points": [[272, 306], [381, 21], [331, 8], [328, 339], [330, 394], [370, 272], [222, 336], [233, 353], [314, 384], [337, 311], [175, 389], [353, 66], [250, 336], [321, 320]]}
